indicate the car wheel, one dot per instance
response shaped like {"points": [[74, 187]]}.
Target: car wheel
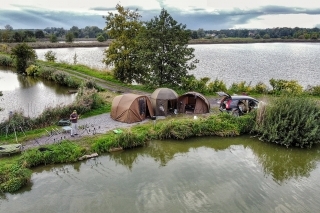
{"points": [[235, 113]]}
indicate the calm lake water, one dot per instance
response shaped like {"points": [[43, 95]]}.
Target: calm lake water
{"points": [[29, 95], [213, 174], [199, 175], [231, 63]]}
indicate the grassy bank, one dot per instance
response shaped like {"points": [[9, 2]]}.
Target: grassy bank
{"points": [[15, 171]]}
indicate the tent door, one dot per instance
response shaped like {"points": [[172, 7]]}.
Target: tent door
{"points": [[142, 107]]}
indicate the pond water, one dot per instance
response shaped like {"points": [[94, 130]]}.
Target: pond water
{"points": [[29, 95], [231, 63], [212, 174]]}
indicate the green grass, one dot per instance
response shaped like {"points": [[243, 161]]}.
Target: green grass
{"points": [[105, 108]]}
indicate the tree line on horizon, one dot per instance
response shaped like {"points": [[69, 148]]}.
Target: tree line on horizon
{"points": [[8, 34]]}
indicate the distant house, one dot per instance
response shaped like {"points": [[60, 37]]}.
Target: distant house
{"points": [[213, 35], [251, 34]]}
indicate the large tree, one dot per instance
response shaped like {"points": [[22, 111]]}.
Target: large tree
{"points": [[163, 54], [123, 26], [69, 37], [39, 34], [23, 55]]}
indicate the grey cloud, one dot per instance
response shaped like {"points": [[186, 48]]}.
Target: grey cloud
{"points": [[102, 8], [289, 10], [132, 7], [27, 18], [31, 19]]}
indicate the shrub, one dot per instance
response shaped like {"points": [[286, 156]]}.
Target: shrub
{"points": [[6, 61], [240, 87], [280, 86], [192, 84], [53, 38], [216, 86], [315, 91], [50, 56], [14, 177], [260, 88], [63, 78], [4, 48], [289, 121], [32, 70], [46, 73], [100, 38], [69, 37]]}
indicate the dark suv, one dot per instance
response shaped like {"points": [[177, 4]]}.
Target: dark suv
{"points": [[237, 104]]}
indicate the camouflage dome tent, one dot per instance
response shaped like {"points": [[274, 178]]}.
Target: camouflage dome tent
{"points": [[130, 108], [164, 101], [193, 102]]}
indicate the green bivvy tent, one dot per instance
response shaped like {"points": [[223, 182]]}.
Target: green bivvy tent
{"points": [[130, 108], [193, 103], [164, 101]]}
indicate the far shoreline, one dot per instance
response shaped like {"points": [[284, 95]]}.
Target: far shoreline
{"points": [[93, 43]]}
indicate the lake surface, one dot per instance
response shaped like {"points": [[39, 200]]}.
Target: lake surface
{"points": [[231, 63], [199, 175], [30, 95]]}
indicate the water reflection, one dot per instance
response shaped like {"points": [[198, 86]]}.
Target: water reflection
{"points": [[286, 163], [29, 95], [26, 81], [197, 175], [279, 162]]}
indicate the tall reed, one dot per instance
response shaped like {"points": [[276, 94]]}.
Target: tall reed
{"points": [[289, 121]]}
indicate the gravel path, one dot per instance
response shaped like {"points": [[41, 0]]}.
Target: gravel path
{"points": [[98, 124]]}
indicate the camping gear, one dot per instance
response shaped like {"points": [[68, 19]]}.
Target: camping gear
{"points": [[10, 148], [130, 108], [117, 131], [164, 101], [64, 122], [193, 103]]}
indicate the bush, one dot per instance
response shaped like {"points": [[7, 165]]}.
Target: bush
{"points": [[32, 70], [53, 38], [315, 91], [50, 56], [46, 73], [240, 88], [6, 61], [100, 38], [216, 86], [260, 88], [14, 177], [280, 86], [5, 48], [69, 37], [192, 84], [289, 121]]}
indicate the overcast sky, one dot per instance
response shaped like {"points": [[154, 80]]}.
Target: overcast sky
{"points": [[205, 14]]}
